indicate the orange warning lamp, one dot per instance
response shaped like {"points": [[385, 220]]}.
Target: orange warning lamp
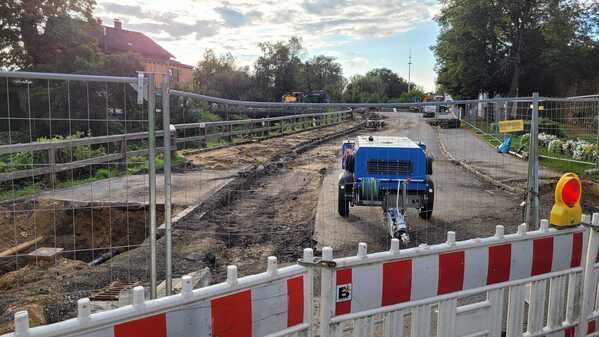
{"points": [[566, 211]]}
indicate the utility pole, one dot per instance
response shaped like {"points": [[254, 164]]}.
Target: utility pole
{"points": [[410, 71]]}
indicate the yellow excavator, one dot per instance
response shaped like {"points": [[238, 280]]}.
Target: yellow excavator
{"points": [[292, 97]]}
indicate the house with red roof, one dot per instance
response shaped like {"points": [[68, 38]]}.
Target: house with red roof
{"points": [[154, 58]]}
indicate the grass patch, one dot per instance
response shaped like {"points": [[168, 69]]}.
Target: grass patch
{"points": [[555, 164], [135, 165]]}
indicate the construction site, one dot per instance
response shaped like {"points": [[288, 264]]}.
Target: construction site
{"points": [[97, 217]]}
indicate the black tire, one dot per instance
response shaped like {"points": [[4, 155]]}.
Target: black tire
{"points": [[349, 163], [426, 212], [342, 203], [429, 165]]}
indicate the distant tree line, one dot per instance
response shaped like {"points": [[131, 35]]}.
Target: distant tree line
{"points": [[512, 47], [283, 68]]}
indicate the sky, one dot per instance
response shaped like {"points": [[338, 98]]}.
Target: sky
{"points": [[360, 34]]}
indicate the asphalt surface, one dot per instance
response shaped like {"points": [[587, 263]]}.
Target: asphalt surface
{"points": [[505, 168], [463, 203]]}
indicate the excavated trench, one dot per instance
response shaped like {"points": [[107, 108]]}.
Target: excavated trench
{"points": [[83, 231]]}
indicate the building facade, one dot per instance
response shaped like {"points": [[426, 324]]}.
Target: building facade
{"points": [[152, 56]]}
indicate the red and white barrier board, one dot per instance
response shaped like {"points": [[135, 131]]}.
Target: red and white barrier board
{"points": [[368, 286], [272, 303], [258, 311]]}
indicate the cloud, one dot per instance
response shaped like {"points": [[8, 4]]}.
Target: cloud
{"points": [[324, 6], [188, 27], [174, 29], [232, 17], [119, 8]]}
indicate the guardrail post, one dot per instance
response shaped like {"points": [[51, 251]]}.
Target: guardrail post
{"points": [[204, 132], [326, 293], [52, 163], [229, 127], [124, 148]]}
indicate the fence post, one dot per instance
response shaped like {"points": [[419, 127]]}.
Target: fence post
{"points": [[124, 147], [152, 178], [326, 295], [308, 290], [166, 129], [52, 163], [532, 200], [229, 127], [589, 285], [173, 135]]}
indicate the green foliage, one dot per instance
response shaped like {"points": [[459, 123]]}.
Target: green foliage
{"points": [[547, 126], [517, 47], [207, 116], [22, 161], [378, 85], [414, 95], [104, 173], [57, 36], [279, 70], [137, 164]]}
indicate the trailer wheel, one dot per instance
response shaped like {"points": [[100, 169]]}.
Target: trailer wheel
{"points": [[342, 203], [426, 212]]}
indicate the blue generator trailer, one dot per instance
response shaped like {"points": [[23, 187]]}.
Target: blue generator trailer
{"points": [[389, 172]]}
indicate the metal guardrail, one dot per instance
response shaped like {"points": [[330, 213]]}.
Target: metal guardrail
{"points": [[207, 130], [343, 105]]}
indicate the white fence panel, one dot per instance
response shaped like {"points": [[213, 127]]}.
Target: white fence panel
{"points": [[458, 288], [275, 303]]}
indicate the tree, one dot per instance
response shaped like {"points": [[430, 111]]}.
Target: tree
{"points": [[414, 95], [394, 85], [277, 70], [378, 85], [516, 47], [23, 25], [365, 89], [323, 73], [219, 76]]}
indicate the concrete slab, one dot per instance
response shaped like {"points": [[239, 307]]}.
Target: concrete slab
{"points": [[190, 188], [467, 147]]}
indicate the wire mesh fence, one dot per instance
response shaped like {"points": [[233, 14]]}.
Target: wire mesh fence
{"points": [[75, 194], [70, 151], [249, 180]]}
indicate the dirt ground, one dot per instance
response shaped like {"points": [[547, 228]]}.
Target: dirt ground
{"points": [[236, 229], [271, 208]]}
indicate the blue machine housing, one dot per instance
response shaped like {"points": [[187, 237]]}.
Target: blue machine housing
{"points": [[387, 166], [391, 172], [410, 159]]}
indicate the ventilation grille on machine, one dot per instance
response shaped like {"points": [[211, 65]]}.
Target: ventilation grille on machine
{"points": [[397, 167]]}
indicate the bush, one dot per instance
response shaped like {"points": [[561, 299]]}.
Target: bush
{"points": [[207, 116], [22, 160], [136, 164], [103, 173], [555, 146], [525, 140], [547, 126]]}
